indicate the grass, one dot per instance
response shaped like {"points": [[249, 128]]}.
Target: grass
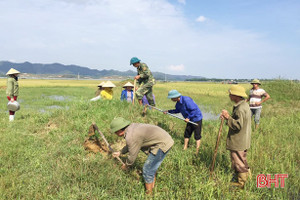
{"points": [[42, 154]]}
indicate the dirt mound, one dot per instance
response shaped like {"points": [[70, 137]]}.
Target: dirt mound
{"points": [[94, 145]]}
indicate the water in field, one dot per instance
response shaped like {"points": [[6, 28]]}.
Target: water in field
{"points": [[59, 98], [53, 107], [206, 115]]}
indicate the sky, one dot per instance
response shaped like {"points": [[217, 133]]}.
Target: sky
{"points": [[210, 38]]}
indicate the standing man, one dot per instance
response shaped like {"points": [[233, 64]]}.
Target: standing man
{"points": [[145, 80], [256, 98], [152, 140], [239, 134], [191, 112]]}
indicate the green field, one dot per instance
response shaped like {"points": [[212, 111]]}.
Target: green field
{"points": [[42, 154]]}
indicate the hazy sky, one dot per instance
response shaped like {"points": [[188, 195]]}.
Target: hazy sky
{"points": [[212, 38]]}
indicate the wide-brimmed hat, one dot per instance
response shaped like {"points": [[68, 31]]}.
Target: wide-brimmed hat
{"points": [[255, 81], [128, 84], [12, 71], [101, 84], [108, 84], [173, 94], [237, 90], [118, 124]]}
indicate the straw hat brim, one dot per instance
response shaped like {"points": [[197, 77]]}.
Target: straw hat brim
{"points": [[12, 71]]}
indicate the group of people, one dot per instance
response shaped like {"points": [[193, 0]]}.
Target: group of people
{"points": [[155, 141]]}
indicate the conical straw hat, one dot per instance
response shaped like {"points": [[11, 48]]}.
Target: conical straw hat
{"points": [[12, 71], [108, 84], [101, 84], [128, 84]]}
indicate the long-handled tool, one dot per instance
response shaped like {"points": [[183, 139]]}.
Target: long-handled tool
{"points": [[134, 85], [172, 115], [109, 147], [216, 149]]}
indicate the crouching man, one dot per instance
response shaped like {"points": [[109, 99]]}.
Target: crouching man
{"points": [[239, 134], [151, 139]]}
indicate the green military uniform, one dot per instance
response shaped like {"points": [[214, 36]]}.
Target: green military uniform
{"points": [[12, 87], [146, 82]]}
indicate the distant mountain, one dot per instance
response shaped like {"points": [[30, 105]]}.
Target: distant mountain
{"points": [[60, 69]]}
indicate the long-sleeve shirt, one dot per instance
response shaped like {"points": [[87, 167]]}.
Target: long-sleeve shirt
{"points": [[145, 137], [145, 74], [188, 108], [12, 87], [239, 133], [124, 95], [107, 93]]}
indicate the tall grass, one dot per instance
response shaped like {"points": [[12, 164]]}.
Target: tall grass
{"points": [[42, 154]]}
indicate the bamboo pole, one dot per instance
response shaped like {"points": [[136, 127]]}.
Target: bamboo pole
{"points": [[216, 149]]}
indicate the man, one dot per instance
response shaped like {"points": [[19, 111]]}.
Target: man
{"points": [[152, 140], [145, 80], [191, 112], [239, 134], [256, 98]]}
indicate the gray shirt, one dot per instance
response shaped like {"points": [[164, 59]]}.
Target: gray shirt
{"points": [[145, 137]]}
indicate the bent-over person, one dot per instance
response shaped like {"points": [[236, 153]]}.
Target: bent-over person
{"points": [[239, 134], [151, 139]]}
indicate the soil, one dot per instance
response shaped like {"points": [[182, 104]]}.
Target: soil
{"points": [[95, 146]]}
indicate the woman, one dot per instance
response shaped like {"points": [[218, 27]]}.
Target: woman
{"points": [[12, 90], [107, 92], [127, 93]]}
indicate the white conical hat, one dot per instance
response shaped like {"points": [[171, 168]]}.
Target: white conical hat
{"points": [[128, 84], [12, 71], [101, 84], [108, 84]]}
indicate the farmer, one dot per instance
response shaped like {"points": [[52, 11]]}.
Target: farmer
{"points": [[145, 80], [107, 92], [239, 134], [191, 112], [127, 93], [97, 93], [256, 98], [12, 90], [151, 139]]}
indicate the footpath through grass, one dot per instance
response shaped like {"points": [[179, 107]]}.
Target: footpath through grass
{"points": [[42, 154]]}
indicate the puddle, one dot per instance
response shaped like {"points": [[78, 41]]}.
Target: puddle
{"points": [[210, 116], [53, 107], [58, 98]]}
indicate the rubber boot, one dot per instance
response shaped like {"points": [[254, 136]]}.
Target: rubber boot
{"points": [[11, 118], [242, 178]]}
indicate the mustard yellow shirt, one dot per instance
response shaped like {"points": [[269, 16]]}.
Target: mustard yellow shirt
{"points": [[107, 93]]}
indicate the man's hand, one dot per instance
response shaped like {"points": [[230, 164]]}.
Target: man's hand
{"points": [[187, 120], [116, 154], [124, 167], [258, 103], [224, 114], [165, 112], [12, 99], [137, 77]]}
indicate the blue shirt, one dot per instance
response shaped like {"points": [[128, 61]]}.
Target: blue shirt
{"points": [[188, 108], [124, 95]]}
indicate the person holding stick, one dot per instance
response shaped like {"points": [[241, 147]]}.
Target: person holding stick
{"points": [[191, 112], [151, 139], [145, 81], [239, 134]]}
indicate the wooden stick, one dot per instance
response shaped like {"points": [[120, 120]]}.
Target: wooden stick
{"points": [[134, 85], [172, 115], [109, 147], [216, 149]]}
